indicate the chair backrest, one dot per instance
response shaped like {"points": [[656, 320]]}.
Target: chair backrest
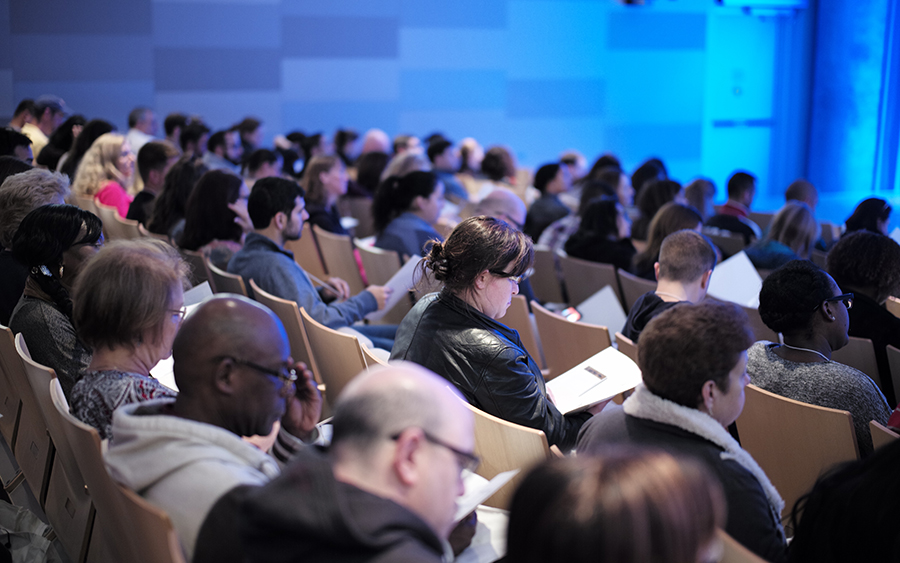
{"points": [[818, 258], [223, 282], [10, 403], [633, 287], [566, 344], [794, 442], [762, 218], [626, 346], [729, 243], [371, 359], [859, 353], [337, 253], [199, 273], [893, 305], [830, 232], [881, 434], [503, 446], [546, 278], [760, 330], [116, 227], [338, 356], [733, 552], [147, 234], [893, 356], [86, 203], [290, 317], [519, 319], [584, 278], [131, 530], [360, 208], [380, 264], [306, 253]]}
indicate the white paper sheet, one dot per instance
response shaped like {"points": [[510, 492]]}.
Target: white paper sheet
{"points": [[197, 294], [581, 387], [736, 280], [478, 490], [401, 282], [603, 308]]}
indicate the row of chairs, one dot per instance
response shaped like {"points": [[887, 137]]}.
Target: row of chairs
{"points": [[60, 459]]}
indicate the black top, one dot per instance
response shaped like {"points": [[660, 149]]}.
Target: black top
{"points": [[141, 207], [326, 218], [734, 224], [870, 320], [644, 309], [544, 211], [12, 282], [586, 246]]}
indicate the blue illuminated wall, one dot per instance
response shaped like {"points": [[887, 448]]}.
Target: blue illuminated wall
{"points": [[704, 87]]}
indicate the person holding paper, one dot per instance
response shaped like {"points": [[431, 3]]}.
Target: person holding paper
{"points": [[457, 334], [694, 363]]}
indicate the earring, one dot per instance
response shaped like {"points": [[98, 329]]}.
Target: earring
{"points": [[61, 270]]}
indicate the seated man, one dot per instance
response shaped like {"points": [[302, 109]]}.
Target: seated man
{"points": [[386, 490], [235, 378], [224, 151], [262, 163], [153, 163], [734, 216], [686, 262], [444, 159], [551, 180], [277, 210]]}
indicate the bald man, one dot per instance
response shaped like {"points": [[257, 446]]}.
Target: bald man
{"points": [[235, 378], [386, 490]]}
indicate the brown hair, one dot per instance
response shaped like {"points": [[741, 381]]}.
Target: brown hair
{"points": [[685, 256], [688, 345], [628, 505], [475, 245], [123, 295], [671, 217], [312, 184]]}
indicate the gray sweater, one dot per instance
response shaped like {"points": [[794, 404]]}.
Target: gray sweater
{"points": [[831, 385]]}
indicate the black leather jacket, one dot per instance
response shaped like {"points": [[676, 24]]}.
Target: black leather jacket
{"points": [[486, 361]]}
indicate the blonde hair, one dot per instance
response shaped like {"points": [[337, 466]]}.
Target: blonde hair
{"points": [[100, 165], [796, 227], [312, 182]]}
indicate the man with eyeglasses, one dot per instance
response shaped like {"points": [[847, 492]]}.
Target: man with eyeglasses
{"points": [[236, 379], [385, 491]]}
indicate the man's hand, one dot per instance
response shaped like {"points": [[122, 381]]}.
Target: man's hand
{"points": [[461, 536], [304, 408], [382, 293], [242, 216], [342, 287]]}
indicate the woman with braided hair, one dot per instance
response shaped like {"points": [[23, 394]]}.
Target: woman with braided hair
{"points": [[457, 332], [54, 242], [405, 210], [807, 307]]}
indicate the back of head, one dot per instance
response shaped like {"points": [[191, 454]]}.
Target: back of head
{"points": [[685, 256], [174, 121], [437, 148], [790, 295], [650, 170], [544, 175], [498, 164], [154, 156], [247, 125], [93, 129], [867, 215], [475, 245], [604, 161], [404, 163], [396, 195], [864, 260], [591, 190], [795, 227], [654, 195], [312, 182], [217, 140], [739, 184], [688, 345], [376, 140], [10, 139], [26, 105], [627, 505], [170, 204], [803, 191], [269, 197], [670, 218], [124, 294], [503, 203], [10, 165], [369, 167], [99, 165], [206, 215], [192, 133], [21, 193], [401, 143], [599, 217], [136, 115], [258, 158], [699, 195]]}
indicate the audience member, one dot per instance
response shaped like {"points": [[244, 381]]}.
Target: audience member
{"points": [[699, 195], [734, 216], [868, 265], [49, 113], [276, 207], [128, 305], [651, 170], [613, 176], [404, 163], [650, 200], [576, 162], [54, 242], [626, 505], [345, 146], [791, 236], [693, 359], [803, 191], [457, 333], [105, 173], [872, 214], [142, 128], [173, 125], [224, 151], [93, 129], [405, 211], [559, 231], [369, 167], [603, 235], [471, 155], [61, 142], [154, 161], [393, 472], [168, 209], [375, 140], [406, 143], [235, 378], [251, 132], [262, 163], [671, 217], [444, 159], [551, 180], [15, 144], [194, 139], [806, 306], [10, 166], [24, 113], [682, 270], [499, 168], [20, 194], [324, 182], [215, 217]]}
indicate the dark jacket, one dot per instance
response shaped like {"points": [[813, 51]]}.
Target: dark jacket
{"points": [[870, 320], [642, 312], [619, 253], [327, 219], [486, 361], [544, 211], [306, 515]]}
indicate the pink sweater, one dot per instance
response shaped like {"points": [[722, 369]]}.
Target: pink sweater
{"points": [[114, 195]]}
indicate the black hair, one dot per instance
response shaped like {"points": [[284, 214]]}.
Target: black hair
{"points": [[169, 205], [207, 216], [652, 169], [136, 115], [740, 183], [216, 140], [10, 166], [867, 214], [437, 148], [25, 105], [545, 175], [396, 195], [93, 129], [259, 157], [271, 196], [865, 259], [60, 142], [790, 295], [369, 167], [153, 156], [191, 133], [600, 217], [174, 121], [10, 139]]}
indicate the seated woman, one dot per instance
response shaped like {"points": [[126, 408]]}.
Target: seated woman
{"points": [[167, 217], [54, 242], [693, 359], [872, 214], [405, 210], [650, 200], [791, 236], [670, 218], [699, 194], [215, 217], [807, 307], [129, 304], [603, 235], [559, 231], [457, 334], [106, 171], [574, 510], [325, 181]]}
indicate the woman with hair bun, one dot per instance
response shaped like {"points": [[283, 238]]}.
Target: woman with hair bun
{"points": [[457, 332], [405, 210], [807, 307]]}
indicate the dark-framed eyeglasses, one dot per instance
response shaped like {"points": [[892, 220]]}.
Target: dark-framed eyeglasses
{"points": [[465, 460], [286, 374], [180, 313], [518, 279], [847, 299]]}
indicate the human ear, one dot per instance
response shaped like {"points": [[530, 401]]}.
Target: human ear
{"points": [[482, 280], [406, 457], [224, 375], [707, 393]]}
